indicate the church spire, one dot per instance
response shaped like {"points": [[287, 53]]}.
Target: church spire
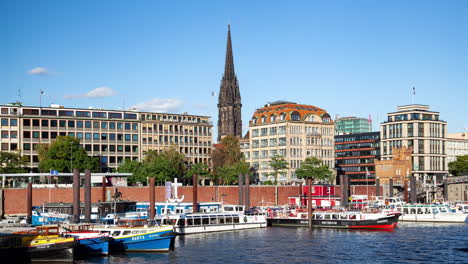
{"points": [[229, 100], [229, 65]]}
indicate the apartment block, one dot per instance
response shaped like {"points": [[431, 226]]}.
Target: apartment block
{"points": [[294, 131]]}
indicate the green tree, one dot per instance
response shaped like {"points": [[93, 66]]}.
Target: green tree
{"points": [[134, 167], [176, 159], [459, 166], [279, 165], [229, 174], [200, 169], [231, 149], [313, 168], [64, 154], [11, 162], [224, 155], [160, 168]]}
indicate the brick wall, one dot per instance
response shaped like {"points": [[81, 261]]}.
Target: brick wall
{"points": [[15, 199]]}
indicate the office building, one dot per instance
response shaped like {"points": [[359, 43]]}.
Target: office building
{"points": [[355, 155], [352, 125], [415, 126], [111, 135]]}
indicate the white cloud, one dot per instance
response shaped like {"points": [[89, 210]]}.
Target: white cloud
{"points": [[159, 105], [103, 91], [38, 71]]}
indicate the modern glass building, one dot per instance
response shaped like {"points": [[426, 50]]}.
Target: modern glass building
{"points": [[355, 155], [352, 125]]}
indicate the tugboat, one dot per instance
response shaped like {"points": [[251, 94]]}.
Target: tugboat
{"points": [[337, 219], [133, 235]]}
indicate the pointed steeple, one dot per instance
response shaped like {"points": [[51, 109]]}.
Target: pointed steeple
{"points": [[229, 65], [229, 100]]}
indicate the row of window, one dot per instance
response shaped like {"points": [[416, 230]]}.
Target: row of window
{"points": [[281, 130], [9, 134], [175, 128], [354, 161], [79, 124], [80, 135], [357, 153], [79, 113], [413, 116], [357, 145], [9, 122], [350, 138]]}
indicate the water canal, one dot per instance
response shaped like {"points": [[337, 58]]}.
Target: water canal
{"points": [[409, 243]]}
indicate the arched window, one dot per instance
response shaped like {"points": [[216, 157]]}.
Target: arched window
{"points": [[282, 116], [254, 120], [273, 118], [311, 118], [264, 118], [295, 116]]}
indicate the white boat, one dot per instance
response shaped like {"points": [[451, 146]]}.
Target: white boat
{"points": [[430, 213], [231, 218]]}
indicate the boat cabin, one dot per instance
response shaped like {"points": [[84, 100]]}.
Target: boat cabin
{"points": [[47, 230]]}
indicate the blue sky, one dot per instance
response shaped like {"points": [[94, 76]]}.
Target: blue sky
{"points": [[348, 57]]}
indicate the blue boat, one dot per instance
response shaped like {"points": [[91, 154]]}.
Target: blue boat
{"points": [[132, 235], [90, 242]]}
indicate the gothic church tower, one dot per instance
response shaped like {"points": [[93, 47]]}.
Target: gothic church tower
{"points": [[229, 100]]}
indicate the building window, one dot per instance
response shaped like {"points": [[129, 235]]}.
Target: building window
{"points": [[27, 146], [112, 125], [295, 116], [88, 136], [273, 118], [35, 134], [79, 135], [127, 137], [79, 124], [104, 125], [96, 136], [62, 123], [71, 123], [13, 122], [264, 132], [87, 124], [135, 137]]}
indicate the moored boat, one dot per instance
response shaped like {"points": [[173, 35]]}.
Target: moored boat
{"points": [[229, 219], [430, 213], [49, 246], [135, 236], [338, 219], [90, 242]]}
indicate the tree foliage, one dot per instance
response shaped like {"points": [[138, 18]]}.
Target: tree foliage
{"points": [[313, 168], [279, 165], [459, 166], [200, 169], [11, 162], [162, 166], [229, 174], [64, 154]]}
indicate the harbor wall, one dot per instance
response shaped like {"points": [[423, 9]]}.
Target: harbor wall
{"points": [[15, 201]]}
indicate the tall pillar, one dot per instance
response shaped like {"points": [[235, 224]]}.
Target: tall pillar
{"points": [[76, 196], [29, 204], [390, 187], [377, 187], [446, 190], [300, 195], [87, 196], [241, 186], [405, 190], [414, 192], [152, 199], [104, 185], [247, 191], [195, 192], [309, 202]]}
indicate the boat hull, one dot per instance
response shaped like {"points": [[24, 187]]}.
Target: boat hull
{"points": [[379, 223], [56, 252], [149, 242], [93, 246], [185, 230], [435, 218]]}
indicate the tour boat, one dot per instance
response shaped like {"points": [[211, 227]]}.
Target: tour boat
{"points": [[231, 218], [336, 219], [430, 213], [133, 235], [90, 242]]}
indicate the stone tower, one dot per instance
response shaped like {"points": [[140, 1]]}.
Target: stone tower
{"points": [[229, 100]]}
